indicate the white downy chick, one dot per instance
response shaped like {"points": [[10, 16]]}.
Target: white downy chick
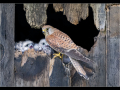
{"points": [[45, 46], [18, 46], [24, 45]]}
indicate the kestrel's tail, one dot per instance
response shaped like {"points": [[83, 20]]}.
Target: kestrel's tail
{"points": [[79, 68]]}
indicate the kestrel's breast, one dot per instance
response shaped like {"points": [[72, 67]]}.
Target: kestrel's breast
{"points": [[60, 41]]}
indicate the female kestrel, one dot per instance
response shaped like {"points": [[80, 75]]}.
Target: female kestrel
{"points": [[62, 43]]}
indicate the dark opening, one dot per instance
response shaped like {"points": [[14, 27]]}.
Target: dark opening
{"points": [[82, 34], [23, 30]]}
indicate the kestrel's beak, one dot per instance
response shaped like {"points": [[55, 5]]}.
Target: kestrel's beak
{"points": [[44, 31]]}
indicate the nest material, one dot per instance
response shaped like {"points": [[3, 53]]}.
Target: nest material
{"points": [[29, 53]]}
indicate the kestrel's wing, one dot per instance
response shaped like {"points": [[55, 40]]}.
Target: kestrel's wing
{"points": [[73, 53], [79, 68]]}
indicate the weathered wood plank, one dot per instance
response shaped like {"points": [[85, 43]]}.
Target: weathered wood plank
{"points": [[99, 56], [7, 17], [73, 11], [113, 46], [36, 14]]}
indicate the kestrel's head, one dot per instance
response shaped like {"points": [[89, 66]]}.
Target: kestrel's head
{"points": [[47, 30]]}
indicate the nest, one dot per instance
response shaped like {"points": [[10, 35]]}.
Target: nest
{"points": [[29, 53]]}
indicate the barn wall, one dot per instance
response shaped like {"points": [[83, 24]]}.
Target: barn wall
{"points": [[105, 51]]}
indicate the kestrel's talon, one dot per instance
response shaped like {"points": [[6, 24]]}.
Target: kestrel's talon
{"points": [[57, 55]]}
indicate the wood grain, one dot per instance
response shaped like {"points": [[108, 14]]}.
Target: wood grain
{"points": [[113, 46], [7, 12], [73, 11], [36, 14]]}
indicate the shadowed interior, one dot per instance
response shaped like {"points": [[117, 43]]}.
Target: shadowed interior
{"points": [[82, 34]]}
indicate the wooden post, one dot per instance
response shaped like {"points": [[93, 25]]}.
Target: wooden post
{"points": [[7, 16], [113, 46]]}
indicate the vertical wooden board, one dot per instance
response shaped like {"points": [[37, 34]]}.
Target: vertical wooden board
{"points": [[113, 46], [7, 12], [99, 56], [113, 63], [59, 77]]}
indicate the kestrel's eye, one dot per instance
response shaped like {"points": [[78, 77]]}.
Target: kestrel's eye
{"points": [[47, 29]]}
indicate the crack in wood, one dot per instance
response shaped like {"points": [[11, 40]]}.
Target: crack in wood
{"points": [[2, 54]]}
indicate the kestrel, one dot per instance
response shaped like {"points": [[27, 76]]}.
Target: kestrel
{"points": [[62, 43]]}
